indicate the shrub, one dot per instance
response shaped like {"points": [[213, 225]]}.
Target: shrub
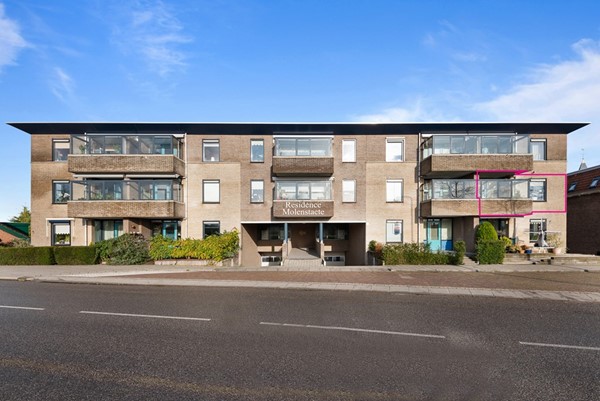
{"points": [[127, 249], [413, 254], [490, 252], [161, 247], [215, 247], [75, 255], [507, 243], [485, 232], [41, 255], [460, 248]]}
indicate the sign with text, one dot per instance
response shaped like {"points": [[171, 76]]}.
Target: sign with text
{"points": [[303, 209]]}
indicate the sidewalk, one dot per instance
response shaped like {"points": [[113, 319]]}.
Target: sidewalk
{"points": [[573, 283]]}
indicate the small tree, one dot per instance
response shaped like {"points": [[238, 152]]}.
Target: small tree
{"points": [[23, 217], [485, 232]]}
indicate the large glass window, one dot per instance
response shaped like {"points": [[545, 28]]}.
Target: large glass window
{"points": [[107, 229], [394, 150], [302, 190], [61, 233], [305, 146], [349, 150], [61, 191], [537, 190], [167, 228], [393, 189], [211, 228], [60, 150], [210, 150], [536, 226], [348, 191], [211, 192], [538, 149], [272, 232], [335, 231], [257, 191], [393, 231], [257, 150]]}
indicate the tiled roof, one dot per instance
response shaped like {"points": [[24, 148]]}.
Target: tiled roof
{"points": [[583, 180], [18, 230]]}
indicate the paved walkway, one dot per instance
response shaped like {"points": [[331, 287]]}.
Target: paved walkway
{"points": [[567, 283]]}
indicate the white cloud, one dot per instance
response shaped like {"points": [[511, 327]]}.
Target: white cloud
{"points": [[151, 31], [420, 109], [11, 40], [62, 85]]}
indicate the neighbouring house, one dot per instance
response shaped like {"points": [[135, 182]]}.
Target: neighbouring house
{"points": [[583, 218], [11, 231], [297, 190]]}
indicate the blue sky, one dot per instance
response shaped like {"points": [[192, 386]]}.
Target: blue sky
{"points": [[295, 60]]}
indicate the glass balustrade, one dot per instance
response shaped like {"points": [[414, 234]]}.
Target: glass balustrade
{"points": [[149, 190], [501, 144], [466, 189], [127, 145]]}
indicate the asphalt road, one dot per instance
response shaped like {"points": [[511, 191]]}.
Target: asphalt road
{"points": [[85, 342]]}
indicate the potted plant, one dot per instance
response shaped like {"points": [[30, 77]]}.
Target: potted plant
{"points": [[555, 242]]}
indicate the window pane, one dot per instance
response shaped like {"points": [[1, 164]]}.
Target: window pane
{"points": [[538, 149], [303, 147], [211, 193], [320, 147], [257, 191], [535, 227], [393, 150], [286, 147], [113, 144], [210, 150], [349, 150], [441, 144], [60, 150], [457, 144], [303, 190], [393, 232], [61, 233], [320, 190], [537, 190], [257, 150], [211, 228], [348, 191], [394, 191], [489, 144], [62, 191]]}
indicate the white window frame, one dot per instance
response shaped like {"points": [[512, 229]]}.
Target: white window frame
{"points": [[389, 185], [211, 143], [54, 149], [53, 225], [539, 180], [392, 157], [539, 140], [349, 187], [207, 187], [255, 141], [260, 186], [348, 150], [394, 237], [205, 222]]}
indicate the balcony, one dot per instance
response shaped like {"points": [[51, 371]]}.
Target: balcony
{"points": [[122, 199], [145, 154], [303, 156], [458, 155], [303, 199], [449, 198]]}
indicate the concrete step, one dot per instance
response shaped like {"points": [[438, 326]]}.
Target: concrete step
{"points": [[305, 263]]}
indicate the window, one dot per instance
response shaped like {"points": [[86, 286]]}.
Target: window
{"points": [[272, 232], [538, 149], [349, 150], [393, 189], [572, 187], [107, 229], [594, 183], [348, 191], [393, 231], [537, 190], [315, 147], [500, 225], [210, 150], [257, 150], [61, 233], [257, 191], [167, 228], [299, 190], [61, 191], [394, 150], [536, 226], [211, 228], [335, 231], [211, 191], [60, 150]]}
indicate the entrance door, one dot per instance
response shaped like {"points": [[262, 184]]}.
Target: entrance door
{"points": [[439, 234], [303, 236]]}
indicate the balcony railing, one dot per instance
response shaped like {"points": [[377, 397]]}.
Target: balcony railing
{"points": [[125, 190], [127, 145], [302, 190], [307, 147], [467, 189], [503, 144]]}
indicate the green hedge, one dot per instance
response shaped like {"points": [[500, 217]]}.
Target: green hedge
{"points": [[76, 255], [413, 254], [40, 255], [490, 252], [127, 249], [214, 247]]}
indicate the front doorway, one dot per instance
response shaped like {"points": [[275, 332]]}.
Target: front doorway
{"points": [[303, 236], [439, 234]]}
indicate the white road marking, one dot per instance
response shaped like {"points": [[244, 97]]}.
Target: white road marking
{"points": [[150, 316], [310, 326], [560, 346], [20, 307]]}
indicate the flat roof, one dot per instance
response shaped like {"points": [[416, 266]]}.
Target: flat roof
{"points": [[307, 128]]}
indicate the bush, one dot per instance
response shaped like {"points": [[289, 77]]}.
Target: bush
{"points": [[490, 252], [215, 247], [485, 232], [127, 249], [413, 254], [75, 255], [161, 247], [41, 255], [460, 248], [507, 243]]}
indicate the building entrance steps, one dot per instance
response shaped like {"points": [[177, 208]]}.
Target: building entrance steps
{"points": [[302, 258], [302, 254]]}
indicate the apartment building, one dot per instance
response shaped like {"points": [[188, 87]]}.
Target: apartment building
{"points": [[321, 190], [583, 200]]}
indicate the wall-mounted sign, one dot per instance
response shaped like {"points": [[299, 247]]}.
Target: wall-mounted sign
{"points": [[303, 209]]}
